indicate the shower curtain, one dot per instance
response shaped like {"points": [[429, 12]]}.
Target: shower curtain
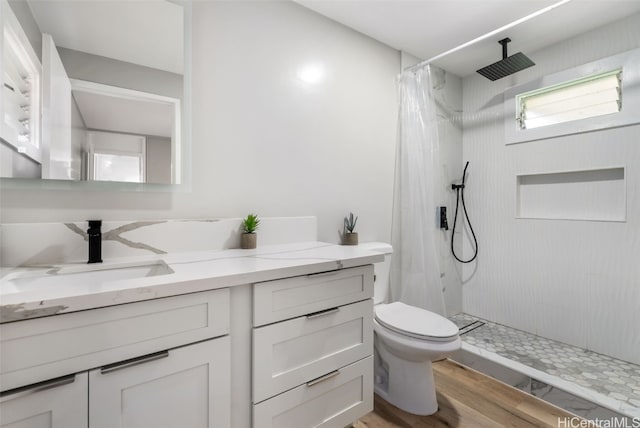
{"points": [[415, 271]]}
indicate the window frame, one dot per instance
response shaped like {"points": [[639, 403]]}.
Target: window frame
{"points": [[629, 114], [13, 38], [139, 156]]}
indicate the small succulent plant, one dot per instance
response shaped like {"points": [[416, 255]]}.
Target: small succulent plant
{"points": [[250, 223], [350, 223]]}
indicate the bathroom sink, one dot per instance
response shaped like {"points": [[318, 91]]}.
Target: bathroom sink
{"points": [[80, 276]]}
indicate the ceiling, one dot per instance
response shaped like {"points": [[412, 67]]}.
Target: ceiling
{"points": [[423, 28], [428, 28], [122, 114], [121, 30]]}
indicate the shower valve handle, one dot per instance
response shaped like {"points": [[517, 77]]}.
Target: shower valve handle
{"points": [[443, 218]]}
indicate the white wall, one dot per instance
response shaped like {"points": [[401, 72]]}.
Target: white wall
{"points": [[158, 162], [263, 141], [574, 281]]}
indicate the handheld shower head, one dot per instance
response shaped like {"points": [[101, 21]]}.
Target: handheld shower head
{"points": [[507, 65]]}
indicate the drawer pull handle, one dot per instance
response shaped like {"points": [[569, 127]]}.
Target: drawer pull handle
{"points": [[321, 274], [133, 362], [37, 387], [322, 313], [323, 378]]}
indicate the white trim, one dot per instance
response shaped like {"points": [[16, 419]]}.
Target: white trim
{"points": [[124, 93]]}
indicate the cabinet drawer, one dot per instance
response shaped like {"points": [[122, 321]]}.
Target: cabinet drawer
{"points": [[289, 298], [337, 401], [46, 348], [290, 353]]}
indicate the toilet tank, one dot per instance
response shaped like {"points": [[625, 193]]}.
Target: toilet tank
{"points": [[381, 270]]}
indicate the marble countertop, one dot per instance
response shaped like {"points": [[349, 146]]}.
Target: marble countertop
{"points": [[192, 272]]}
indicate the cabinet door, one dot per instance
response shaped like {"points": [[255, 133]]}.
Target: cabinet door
{"points": [[182, 387], [58, 403]]}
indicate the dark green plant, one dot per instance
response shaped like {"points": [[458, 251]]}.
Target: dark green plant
{"points": [[250, 223], [350, 222]]}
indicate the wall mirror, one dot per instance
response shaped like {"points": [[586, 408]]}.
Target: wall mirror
{"points": [[93, 90]]}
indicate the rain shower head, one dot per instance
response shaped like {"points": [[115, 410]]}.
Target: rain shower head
{"points": [[507, 65]]}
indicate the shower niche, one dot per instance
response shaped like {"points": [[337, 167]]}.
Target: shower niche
{"points": [[590, 194]]}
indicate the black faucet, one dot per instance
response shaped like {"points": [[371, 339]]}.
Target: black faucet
{"points": [[95, 241]]}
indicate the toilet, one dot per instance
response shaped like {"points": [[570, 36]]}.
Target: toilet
{"points": [[407, 340]]}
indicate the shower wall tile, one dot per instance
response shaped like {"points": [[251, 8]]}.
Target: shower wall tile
{"points": [[561, 284], [613, 321], [447, 90], [572, 281]]}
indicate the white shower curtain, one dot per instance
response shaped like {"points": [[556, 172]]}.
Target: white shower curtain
{"points": [[415, 272]]}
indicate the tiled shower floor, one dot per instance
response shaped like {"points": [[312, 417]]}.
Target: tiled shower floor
{"points": [[616, 379]]}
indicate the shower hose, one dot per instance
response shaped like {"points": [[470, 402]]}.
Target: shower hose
{"points": [[459, 188]]}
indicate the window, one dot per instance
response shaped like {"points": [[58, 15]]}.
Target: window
{"points": [[118, 167], [578, 99], [20, 74], [598, 95], [115, 156]]}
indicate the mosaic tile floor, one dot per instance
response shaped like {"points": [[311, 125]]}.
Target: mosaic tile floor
{"points": [[614, 378]]}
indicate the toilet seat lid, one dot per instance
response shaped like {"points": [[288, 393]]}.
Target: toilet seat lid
{"points": [[415, 322]]}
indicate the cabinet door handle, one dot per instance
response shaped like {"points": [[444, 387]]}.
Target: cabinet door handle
{"points": [[133, 362], [36, 387], [322, 313], [323, 378]]}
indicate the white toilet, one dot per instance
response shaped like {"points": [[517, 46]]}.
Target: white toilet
{"points": [[407, 340]]}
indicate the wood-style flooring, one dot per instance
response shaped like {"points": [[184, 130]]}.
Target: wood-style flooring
{"points": [[468, 398]]}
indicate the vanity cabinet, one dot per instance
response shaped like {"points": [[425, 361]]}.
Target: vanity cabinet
{"points": [[157, 363], [312, 349], [57, 403], [290, 352]]}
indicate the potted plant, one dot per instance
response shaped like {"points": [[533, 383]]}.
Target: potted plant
{"points": [[249, 237], [350, 237]]}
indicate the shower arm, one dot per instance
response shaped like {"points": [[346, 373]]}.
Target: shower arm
{"points": [[504, 42]]}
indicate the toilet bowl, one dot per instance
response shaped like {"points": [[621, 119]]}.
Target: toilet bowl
{"points": [[407, 340], [404, 376]]}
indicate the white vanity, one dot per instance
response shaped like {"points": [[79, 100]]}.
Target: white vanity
{"points": [[280, 336]]}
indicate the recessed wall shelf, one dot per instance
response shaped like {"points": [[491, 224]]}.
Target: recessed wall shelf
{"points": [[592, 194]]}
